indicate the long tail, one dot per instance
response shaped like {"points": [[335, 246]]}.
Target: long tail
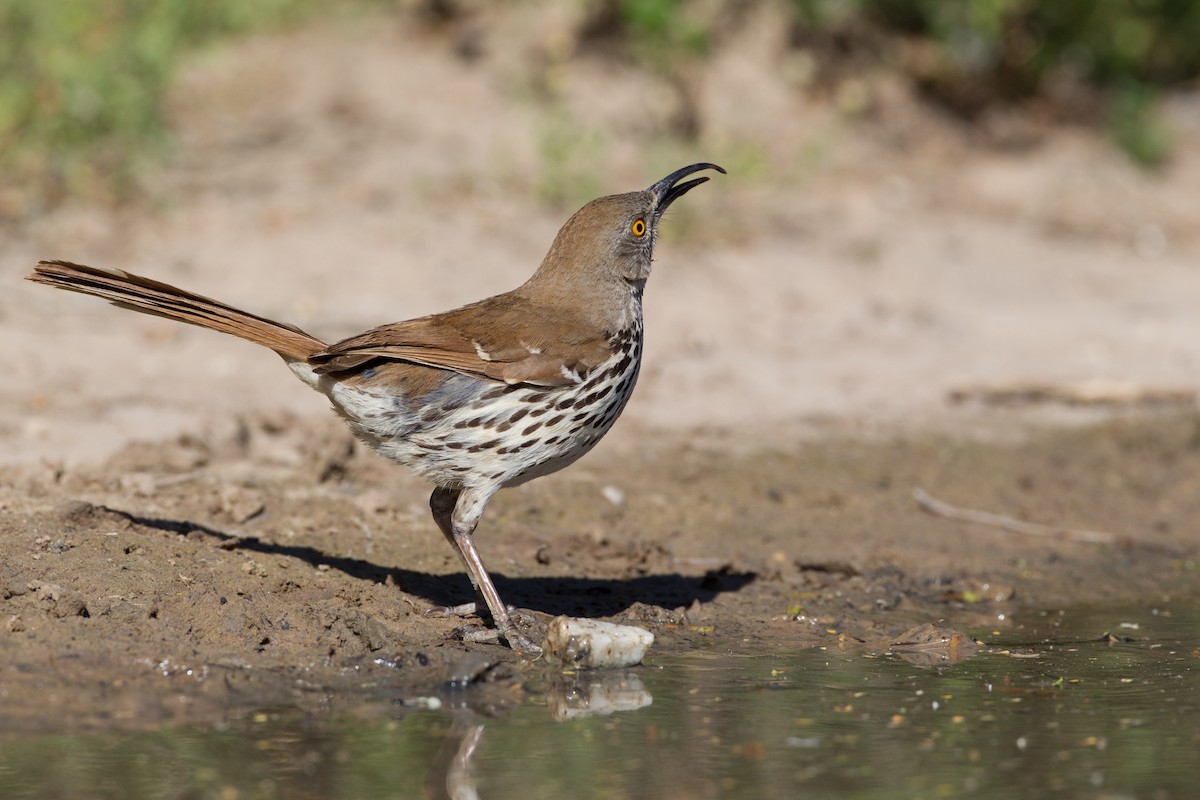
{"points": [[163, 300]]}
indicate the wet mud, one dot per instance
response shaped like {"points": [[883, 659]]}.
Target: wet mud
{"points": [[273, 559]]}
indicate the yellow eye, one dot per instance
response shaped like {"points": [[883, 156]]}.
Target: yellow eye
{"points": [[638, 227]]}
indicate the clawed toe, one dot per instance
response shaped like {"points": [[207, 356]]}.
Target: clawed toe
{"points": [[472, 609], [518, 641], [476, 633], [521, 644], [464, 610]]}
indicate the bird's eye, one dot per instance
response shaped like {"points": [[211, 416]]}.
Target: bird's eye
{"points": [[638, 227]]}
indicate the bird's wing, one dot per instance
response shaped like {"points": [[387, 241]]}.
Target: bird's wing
{"points": [[507, 342]]}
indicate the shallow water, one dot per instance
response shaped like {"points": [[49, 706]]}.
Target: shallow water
{"points": [[1098, 702]]}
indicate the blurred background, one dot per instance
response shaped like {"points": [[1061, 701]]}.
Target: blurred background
{"points": [[936, 214]]}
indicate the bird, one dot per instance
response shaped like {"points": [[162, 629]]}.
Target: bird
{"points": [[483, 397]]}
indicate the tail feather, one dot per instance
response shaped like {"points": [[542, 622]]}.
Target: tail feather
{"points": [[160, 299]]}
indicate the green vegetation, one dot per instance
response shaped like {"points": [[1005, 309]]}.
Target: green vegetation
{"points": [[975, 54], [1136, 128], [570, 174], [82, 83], [664, 28], [82, 86], [1112, 42], [997, 51]]}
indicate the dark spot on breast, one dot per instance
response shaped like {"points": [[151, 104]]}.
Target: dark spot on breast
{"points": [[518, 414], [536, 397], [567, 402], [555, 420], [531, 428], [491, 394], [595, 397]]}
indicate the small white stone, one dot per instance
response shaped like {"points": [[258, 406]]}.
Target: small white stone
{"points": [[613, 495], [590, 643]]}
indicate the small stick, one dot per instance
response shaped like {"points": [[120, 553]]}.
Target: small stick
{"points": [[940, 508]]}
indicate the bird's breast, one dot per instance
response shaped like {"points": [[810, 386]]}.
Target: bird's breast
{"points": [[472, 432]]}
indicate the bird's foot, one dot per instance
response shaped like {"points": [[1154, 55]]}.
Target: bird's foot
{"points": [[464, 610], [472, 609], [519, 642]]}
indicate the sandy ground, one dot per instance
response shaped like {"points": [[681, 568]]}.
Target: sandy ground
{"points": [[864, 305]]}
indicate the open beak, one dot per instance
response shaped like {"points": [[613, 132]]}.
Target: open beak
{"points": [[666, 191]]}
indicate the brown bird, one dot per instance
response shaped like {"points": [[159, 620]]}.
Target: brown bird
{"points": [[489, 395]]}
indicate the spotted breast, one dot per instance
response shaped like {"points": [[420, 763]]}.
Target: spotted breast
{"points": [[469, 432]]}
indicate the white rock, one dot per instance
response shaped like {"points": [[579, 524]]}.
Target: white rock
{"points": [[591, 644]]}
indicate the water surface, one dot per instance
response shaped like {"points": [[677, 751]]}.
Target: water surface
{"points": [[1079, 702]]}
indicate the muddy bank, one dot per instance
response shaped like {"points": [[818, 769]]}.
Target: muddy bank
{"points": [[271, 557]]}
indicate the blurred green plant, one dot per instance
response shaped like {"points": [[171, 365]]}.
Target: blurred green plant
{"points": [[1111, 41], [669, 37], [966, 55], [83, 82], [990, 51], [664, 29], [1136, 128], [82, 86], [571, 160]]}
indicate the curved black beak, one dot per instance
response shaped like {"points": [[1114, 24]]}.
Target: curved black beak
{"points": [[666, 191]]}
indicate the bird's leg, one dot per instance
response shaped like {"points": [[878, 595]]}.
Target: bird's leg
{"points": [[457, 512]]}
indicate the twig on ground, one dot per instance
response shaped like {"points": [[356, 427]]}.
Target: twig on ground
{"points": [[943, 509]]}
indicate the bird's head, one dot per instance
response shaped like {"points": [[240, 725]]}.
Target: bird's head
{"points": [[611, 239]]}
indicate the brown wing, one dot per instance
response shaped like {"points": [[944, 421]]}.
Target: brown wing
{"points": [[503, 339]]}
